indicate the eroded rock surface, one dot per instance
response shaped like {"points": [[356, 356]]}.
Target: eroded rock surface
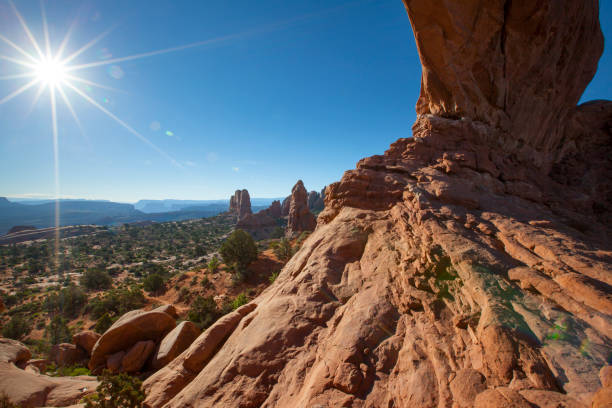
{"points": [[471, 264]]}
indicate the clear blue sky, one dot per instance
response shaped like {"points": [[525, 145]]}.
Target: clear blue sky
{"points": [[298, 90]]}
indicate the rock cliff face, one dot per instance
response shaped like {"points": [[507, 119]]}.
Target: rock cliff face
{"points": [[316, 200], [240, 204], [262, 224], [300, 217], [285, 206], [469, 266]]}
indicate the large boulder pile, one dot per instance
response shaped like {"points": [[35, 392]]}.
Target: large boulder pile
{"points": [[468, 266], [30, 389], [240, 204], [300, 217], [129, 343]]}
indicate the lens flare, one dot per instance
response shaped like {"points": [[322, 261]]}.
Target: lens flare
{"points": [[50, 72]]}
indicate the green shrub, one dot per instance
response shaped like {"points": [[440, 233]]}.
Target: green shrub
{"points": [[231, 305], [282, 249], [103, 323], [96, 279], [68, 301], [203, 312], [273, 277], [154, 284], [238, 251], [58, 332], [116, 391], [213, 264], [17, 328], [116, 302]]}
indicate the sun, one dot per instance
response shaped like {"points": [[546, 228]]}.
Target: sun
{"points": [[50, 72]]}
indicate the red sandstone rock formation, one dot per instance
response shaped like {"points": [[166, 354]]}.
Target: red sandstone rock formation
{"points": [[262, 224], [86, 340], [30, 389], [240, 204], [467, 266], [300, 217], [316, 200], [285, 206]]}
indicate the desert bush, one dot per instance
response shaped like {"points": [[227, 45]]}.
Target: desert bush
{"points": [[103, 323], [116, 302], [116, 391], [235, 303], [154, 284], [239, 250], [68, 301], [17, 328], [203, 312], [96, 279], [213, 264], [57, 331], [273, 276], [283, 250]]}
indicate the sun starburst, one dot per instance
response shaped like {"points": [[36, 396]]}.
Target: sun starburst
{"points": [[55, 74]]}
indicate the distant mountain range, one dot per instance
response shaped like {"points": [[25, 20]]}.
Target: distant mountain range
{"points": [[40, 213]]}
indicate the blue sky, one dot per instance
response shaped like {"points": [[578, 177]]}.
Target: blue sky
{"points": [[285, 90]]}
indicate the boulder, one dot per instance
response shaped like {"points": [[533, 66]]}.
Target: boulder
{"points": [[66, 354], [466, 385], [13, 351], [175, 343], [38, 365], [169, 309], [27, 389], [131, 328], [137, 356], [300, 217], [86, 340], [550, 399], [113, 361], [500, 398]]}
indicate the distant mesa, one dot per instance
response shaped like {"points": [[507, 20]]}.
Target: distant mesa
{"points": [[21, 228]]}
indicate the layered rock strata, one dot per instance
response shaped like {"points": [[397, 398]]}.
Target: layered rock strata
{"points": [[468, 266]]}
